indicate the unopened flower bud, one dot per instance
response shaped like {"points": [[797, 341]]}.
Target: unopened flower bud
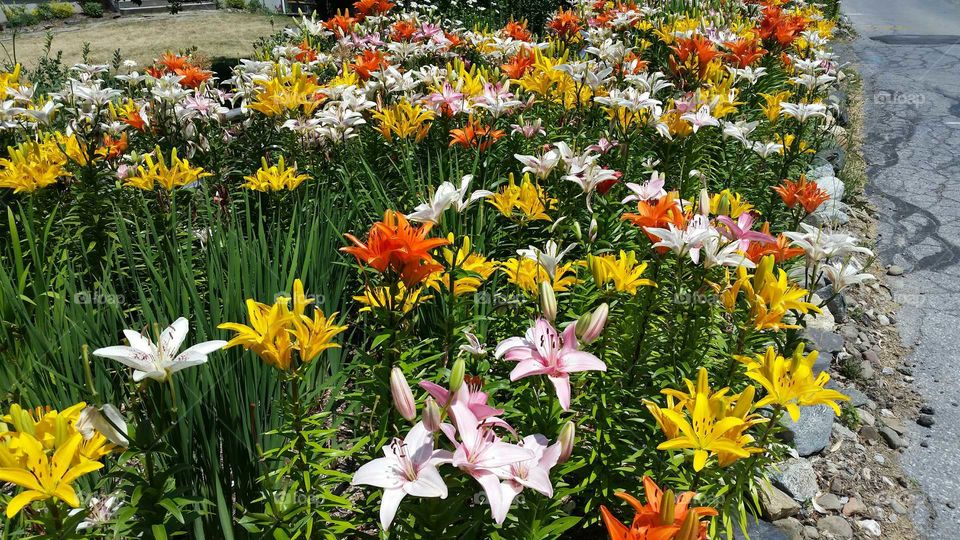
{"points": [[594, 227], [568, 434], [597, 321], [402, 395], [456, 375], [583, 323], [431, 415], [597, 270], [668, 507], [690, 528], [548, 301], [577, 233], [705, 202]]}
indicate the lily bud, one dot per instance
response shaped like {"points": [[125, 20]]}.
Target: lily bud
{"points": [[456, 375], [597, 321], [667, 507], [402, 395], [597, 270], [705, 203], [568, 435], [576, 231], [592, 233], [431, 415], [690, 528], [583, 323], [548, 301]]}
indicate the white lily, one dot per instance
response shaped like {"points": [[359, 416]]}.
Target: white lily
{"points": [[445, 197], [548, 258], [409, 467], [159, 361]]}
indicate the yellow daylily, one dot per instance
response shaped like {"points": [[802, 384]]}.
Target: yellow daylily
{"points": [[33, 165], [155, 171], [623, 271], [529, 199], [44, 478], [790, 382], [705, 428], [275, 331], [290, 89], [404, 120], [528, 274], [275, 177]]}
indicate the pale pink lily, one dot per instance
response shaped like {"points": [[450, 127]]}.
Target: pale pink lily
{"points": [[533, 473], [469, 394], [542, 351], [409, 467], [741, 230], [481, 454], [650, 190]]}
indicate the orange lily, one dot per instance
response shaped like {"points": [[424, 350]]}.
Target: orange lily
{"points": [[663, 517]]}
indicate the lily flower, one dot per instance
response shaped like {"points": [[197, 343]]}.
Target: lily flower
{"points": [[844, 274], [481, 454], [159, 361], [533, 473], [542, 351], [447, 196], [409, 467], [548, 258], [650, 190], [471, 394]]}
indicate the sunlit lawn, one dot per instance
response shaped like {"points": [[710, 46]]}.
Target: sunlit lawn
{"points": [[215, 33]]}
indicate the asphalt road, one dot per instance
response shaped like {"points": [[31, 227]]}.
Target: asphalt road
{"points": [[909, 56]]}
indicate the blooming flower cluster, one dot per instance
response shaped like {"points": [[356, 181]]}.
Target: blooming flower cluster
{"points": [[594, 246]]}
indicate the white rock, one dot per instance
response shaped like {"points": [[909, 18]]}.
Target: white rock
{"points": [[870, 527]]}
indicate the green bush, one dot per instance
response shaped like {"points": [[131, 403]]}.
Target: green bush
{"points": [[61, 10], [93, 9], [236, 4], [19, 16], [43, 12]]}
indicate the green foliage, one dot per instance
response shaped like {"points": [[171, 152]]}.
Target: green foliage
{"points": [[92, 9], [18, 16], [61, 10], [236, 4]]}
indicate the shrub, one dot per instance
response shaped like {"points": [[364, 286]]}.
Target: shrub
{"points": [[19, 16], [61, 10], [236, 4], [42, 12], [93, 9]]}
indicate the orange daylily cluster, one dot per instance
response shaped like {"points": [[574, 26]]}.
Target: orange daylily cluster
{"points": [[692, 55], [192, 75], [663, 517], [394, 245], [475, 135], [781, 249], [779, 27], [565, 23], [743, 52], [519, 65], [340, 24], [518, 30], [372, 7], [807, 194], [364, 65], [658, 213]]}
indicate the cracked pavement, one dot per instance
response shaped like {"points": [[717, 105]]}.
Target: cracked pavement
{"points": [[912, 103]]}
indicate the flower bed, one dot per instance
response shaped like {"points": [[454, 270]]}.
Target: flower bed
{"points": [[593, 251]]}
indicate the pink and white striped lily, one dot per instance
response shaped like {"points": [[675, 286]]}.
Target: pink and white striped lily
{"points": [[542, 351]]}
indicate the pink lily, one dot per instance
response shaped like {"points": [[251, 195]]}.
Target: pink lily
{"points": [[409, 467], [533, 473], [481, 454], [469, 394], [542, 351], [650, 190], [740, 230]]}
